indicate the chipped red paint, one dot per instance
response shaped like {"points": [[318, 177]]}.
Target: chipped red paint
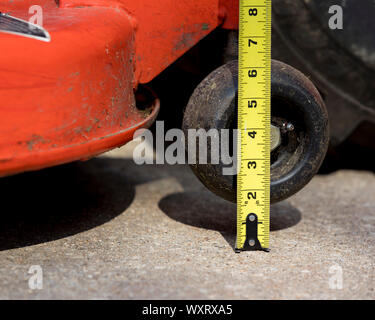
{"points": [[72, 98]]}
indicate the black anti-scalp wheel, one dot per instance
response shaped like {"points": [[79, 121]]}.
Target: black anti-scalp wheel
{"points": [[300, 133]]}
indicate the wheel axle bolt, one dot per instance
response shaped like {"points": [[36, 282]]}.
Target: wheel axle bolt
{"points": [[289, 127]]}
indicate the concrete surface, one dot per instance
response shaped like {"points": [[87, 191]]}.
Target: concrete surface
{"points": [[110, 229]]}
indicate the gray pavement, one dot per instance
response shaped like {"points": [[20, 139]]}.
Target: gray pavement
{"points": [[110, 229]]}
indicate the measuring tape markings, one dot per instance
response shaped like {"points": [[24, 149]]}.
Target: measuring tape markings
{"points": [[254, 119]]}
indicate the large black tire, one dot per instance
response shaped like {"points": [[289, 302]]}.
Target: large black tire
{"points": [[341, 63]]}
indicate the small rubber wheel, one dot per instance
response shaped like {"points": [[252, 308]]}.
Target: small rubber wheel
{"points": [[295, 100]]}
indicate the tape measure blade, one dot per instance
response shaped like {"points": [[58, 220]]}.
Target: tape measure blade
{"points": [[254, 119]]}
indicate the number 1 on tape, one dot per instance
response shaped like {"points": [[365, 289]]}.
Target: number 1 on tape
{"points": [[254, 120]]}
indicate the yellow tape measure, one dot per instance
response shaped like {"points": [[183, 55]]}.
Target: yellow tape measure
{"points": [[254, 121]]}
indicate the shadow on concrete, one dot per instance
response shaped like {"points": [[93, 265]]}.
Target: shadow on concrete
{"points": [[205, 210], [54, 203], [58, 202]]}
